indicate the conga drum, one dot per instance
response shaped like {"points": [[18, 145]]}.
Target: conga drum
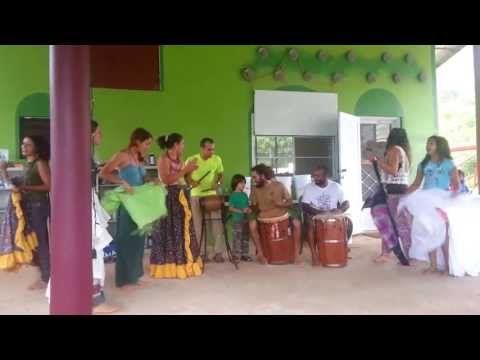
{"points": [[276, 240], [331, 240]]}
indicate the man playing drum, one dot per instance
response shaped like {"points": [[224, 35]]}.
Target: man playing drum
{"points": [[271, 199], [323, 197], [205, 182]]}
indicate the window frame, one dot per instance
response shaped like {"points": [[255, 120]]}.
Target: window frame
{"points": [[294, 157]]}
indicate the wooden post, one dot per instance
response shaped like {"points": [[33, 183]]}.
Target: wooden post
{"points": [[71, 217], [476, 62]]}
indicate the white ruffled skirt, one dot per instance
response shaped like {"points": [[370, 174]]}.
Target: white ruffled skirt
{"points": [[429, 229], [100, 239]]}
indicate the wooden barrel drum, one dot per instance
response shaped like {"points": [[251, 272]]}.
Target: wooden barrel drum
{"points": [[331, 240], [212, 203], [276, 239]]}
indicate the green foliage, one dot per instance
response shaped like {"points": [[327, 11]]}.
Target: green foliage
{"points": [[458, 125]]}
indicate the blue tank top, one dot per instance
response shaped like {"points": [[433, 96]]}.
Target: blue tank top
{"points": [[132, 174], [437, 175]]}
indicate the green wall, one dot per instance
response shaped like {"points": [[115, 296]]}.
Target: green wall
{"points": [[205, 95]]}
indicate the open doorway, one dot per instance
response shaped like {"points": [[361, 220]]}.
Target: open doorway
{"points": [[374, 132], [456, 106]]}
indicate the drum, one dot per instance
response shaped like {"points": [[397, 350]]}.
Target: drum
{"points": [[331, 240], [212, 203], [276, 240]]}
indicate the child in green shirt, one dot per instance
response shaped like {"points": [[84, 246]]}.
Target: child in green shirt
{"points": [[239, 207]]}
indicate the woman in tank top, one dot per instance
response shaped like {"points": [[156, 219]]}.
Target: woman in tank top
{"points": [[175, 251], [395, 178], [34, 188], [130, 246]]}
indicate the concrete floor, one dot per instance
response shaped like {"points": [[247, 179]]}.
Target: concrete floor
{"points": [[361, 288]]}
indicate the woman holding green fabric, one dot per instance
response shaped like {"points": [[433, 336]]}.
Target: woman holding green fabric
{"points": [[175, 251], [130, 246]]}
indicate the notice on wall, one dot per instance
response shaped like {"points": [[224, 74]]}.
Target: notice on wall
{"points": [[3, 154]]}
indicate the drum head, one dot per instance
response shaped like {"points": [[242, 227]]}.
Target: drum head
{"points": [[325, 217], [274, 220]]}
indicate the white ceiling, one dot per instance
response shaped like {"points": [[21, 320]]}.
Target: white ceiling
{"points": [[445, 52]]}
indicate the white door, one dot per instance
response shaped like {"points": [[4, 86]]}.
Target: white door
{"points": [[350, 165]]}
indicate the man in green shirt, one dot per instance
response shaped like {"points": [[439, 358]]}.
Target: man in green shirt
{"points": [[205, 181]]}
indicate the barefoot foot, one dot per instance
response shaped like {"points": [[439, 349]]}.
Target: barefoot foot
{"points": [[298, 261], [316, 262], [429, 270], [261, 259], [129, 288], [105, 309], [38, 285], [382, 259]]}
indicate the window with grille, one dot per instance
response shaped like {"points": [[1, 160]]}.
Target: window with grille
{"points": [[373, 131], [294, 155]]}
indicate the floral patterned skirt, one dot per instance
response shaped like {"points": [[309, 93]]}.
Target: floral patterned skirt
{"points": [[403, 224], [175, 252], [18, 241]]}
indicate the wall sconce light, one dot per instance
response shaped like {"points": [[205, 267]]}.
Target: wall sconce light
{"points": [[248, 74], [322, 56], [279, 74], [336, 77], [409, 59], [396, 77], [386, 57], [351, 57], [421, 76], [371, 78], [307, 76], [293, 54], [263, 52]]}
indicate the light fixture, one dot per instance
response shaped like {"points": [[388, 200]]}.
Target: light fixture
{"points": [[307, 76], [293, 54], [336, 77], [386, 57], [278, 74], [371, 78], [409, 59], [421, 76], [248, 74], [351, 57], [322, 55], [396, 77], [263, 52]]}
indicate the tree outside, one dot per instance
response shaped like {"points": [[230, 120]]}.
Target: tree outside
{"points": [[456, 108]]}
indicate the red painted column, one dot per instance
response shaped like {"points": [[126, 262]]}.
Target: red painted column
{"points": [[71, 235]]}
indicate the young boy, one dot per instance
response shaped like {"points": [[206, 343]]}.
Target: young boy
{"points": [[239, 208], [463, 187]]}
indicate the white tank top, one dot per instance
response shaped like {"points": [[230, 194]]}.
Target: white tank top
{"points": [[402, 176]]}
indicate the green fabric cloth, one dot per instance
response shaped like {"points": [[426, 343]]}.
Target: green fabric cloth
{"points": [[213, 167], [130, 248], [145, 206], [238, 200]]}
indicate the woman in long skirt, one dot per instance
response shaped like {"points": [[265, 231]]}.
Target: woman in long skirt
{"points": [[131, 173], [395, 173], [436, 171], [34, 188], [175, 251]]}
